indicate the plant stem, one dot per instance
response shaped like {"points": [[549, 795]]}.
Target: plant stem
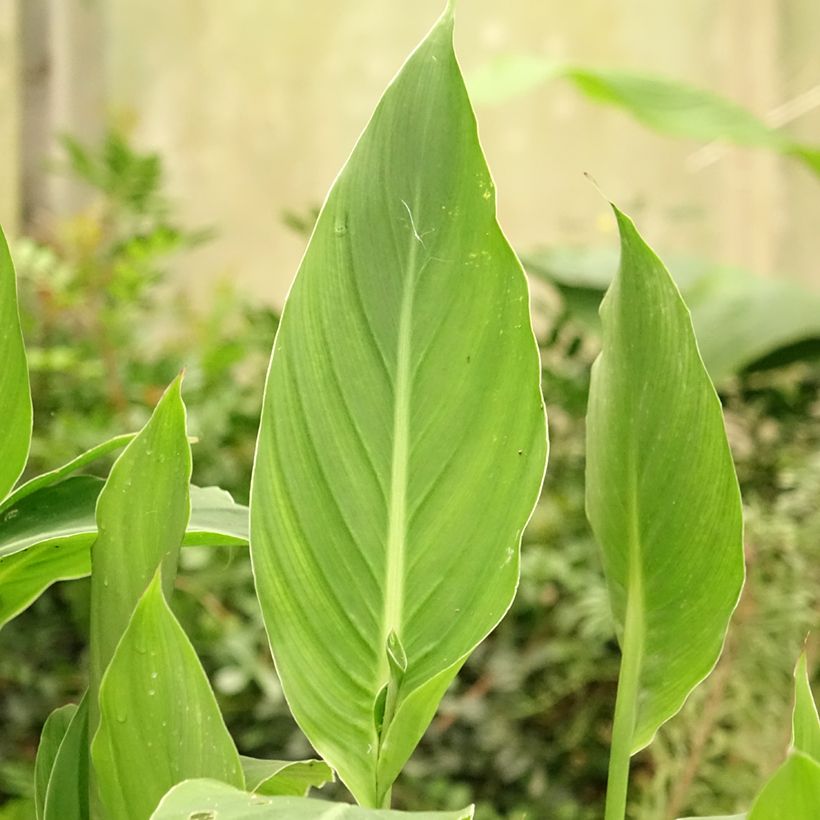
{"points": [[626, 701]]}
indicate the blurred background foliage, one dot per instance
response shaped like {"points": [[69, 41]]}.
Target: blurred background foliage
{"points": [[524, 731]]}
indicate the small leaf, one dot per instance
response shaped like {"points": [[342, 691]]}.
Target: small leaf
{"points": [[662, 499], [52, 736], [47, 536], [284, 777], [805, 721], [792, 793], [402, 442], [210, 800], [159, 720], [15, 393], [66, 795]]}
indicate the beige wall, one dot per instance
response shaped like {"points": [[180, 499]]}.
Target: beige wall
{"points": [[255, 104]]}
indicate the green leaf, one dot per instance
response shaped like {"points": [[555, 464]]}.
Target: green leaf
{"points": [[47, 536], [284, 777], [792, 793], [15, 393], [142, 514], [54, 476], [741, 321], [66, 795], [159, 720], [662, 499], [805, 721], [402, 442], [663, 105], [52, 736], [210, 800]]}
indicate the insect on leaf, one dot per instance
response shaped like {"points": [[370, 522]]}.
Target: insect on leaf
{"points": [[402, 443]]}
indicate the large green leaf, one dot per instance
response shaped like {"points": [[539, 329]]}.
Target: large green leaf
{"points": [[49, 535], [210, 800], [66, 795], [159, 720], [805, 721], [54, 731], [15, 394], [284, 777], [661, 495], [740, 320], [402, 442], [663, 105], [792, 793]]}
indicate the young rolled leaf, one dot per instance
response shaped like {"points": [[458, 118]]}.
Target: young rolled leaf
{"points": [[54, 731], [66, 796], [792, 793], [805, 721], [210, 799], [47, 536], [662, 498], [402, 442], [142, 514], [159, 720], [284, 777], [15, 393]]}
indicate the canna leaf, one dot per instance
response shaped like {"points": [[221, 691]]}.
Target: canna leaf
{"points": [[15, 393], [741, 321], [208, 800], [47, 536], [52, 736], [792, 793], [664, 105], [66, 796], [284, 777], [662, 499], [805, 721], [159, 720], [402, 442]]}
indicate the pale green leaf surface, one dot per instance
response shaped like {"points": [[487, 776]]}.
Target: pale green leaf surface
{"points": [[792, 793], [15, 394], [402, 443], [159, 720], [805, 721], [67, 791], [47, 536], [54, 730], [662, 496], [284, 777], [142, 513], [664, 105], [210, 800], [740, 320]]}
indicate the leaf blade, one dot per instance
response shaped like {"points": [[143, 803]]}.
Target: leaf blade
{"points": [[54, 731], [370, 396], [293, 778], [15, 392], [805, 721]]}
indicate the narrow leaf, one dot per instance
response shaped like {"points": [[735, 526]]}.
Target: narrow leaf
{"points": [[792, 793], [210, 800], [142, 513], [52, 736], [662, 498], [15, 393], [77, 463], [47, 536], [402, 443], [284, 777], [805, 721], [159, 720], [66, 795], [664, 105]]}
